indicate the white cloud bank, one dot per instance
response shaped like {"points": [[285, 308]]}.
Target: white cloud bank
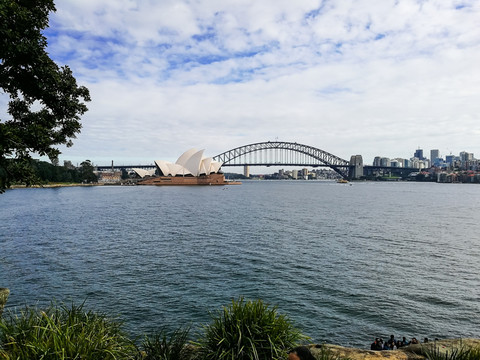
{"points": [[370, 77]]}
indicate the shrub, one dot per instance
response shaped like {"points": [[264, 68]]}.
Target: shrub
{"points": [[248, 330], [161, 347], [62, 332], [434, 352]]}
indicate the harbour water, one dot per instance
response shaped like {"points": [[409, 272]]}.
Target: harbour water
{"points": [[345, 263]]}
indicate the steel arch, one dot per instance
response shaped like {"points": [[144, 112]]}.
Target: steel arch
{"points": [[318, 157]]}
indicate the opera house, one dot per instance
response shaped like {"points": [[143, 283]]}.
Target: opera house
{"points": [[191, 168]]}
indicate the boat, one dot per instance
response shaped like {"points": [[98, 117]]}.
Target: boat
{"points": [[342, 181]]}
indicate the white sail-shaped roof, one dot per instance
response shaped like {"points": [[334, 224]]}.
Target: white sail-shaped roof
{"points": [[191, 162], [176, 169], [163, 166], [205, 166], [142, 172], [215, 166], [182, 160]]}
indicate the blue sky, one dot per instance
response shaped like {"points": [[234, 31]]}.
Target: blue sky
{"points": [[370, 77]]}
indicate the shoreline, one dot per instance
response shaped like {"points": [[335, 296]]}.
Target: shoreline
{"points": [[53, 186], [409, 352]]}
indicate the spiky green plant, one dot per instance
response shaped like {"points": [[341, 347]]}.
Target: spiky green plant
{"points": [[474, 353], [433, 352], [160, 346], [62, 332], [248, 330]]}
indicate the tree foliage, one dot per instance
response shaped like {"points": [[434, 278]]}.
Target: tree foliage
{"points": [[45, 172], [45, 103]]}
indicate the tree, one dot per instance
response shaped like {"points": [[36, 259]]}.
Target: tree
{"points": [[45, 102], [86, 172]]}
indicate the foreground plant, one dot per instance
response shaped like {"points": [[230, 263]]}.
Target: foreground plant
{"points": [[463, 352], [162, 347], [248, 330], [62, 332]]}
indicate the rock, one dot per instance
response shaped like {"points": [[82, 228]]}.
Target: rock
{"points": [[412, 352], [4, 292]]}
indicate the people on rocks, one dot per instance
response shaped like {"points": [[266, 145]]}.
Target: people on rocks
{"points": [[377, 344], [393, 344]]}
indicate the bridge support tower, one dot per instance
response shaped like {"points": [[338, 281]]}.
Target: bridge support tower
{"points": [[246, 171], [356, 167]]}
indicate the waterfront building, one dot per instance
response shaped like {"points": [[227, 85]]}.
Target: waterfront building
{"points": [[417, 163], [191, 162], [395, 163], [305, 173], [400, 162], [384, 161], [109, 177]]}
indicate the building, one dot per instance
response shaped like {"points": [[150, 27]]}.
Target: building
{"points": [[419, 154], [434, 155], [191, 168], [109, 177]]}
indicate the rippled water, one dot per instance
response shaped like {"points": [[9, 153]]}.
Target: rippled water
{"points": [[346, 263]]}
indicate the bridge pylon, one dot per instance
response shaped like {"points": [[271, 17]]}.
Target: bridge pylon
{"points": [[356, 167], [246, 171]]}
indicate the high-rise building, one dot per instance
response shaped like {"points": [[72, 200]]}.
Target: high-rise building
{"points": [[465, 156], [434, 154], [450, 159], [419, 154]]}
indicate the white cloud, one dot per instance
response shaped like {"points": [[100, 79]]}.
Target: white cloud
{"points": [[368, 77]]}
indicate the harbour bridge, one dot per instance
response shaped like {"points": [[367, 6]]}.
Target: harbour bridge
{"points": [[275, 153], [280, 153]]}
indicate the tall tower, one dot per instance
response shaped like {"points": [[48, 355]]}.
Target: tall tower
{"points": [[434, 154], [356, 171], [246, 171]]}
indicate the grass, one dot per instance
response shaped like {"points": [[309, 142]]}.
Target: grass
{"points": [[243, 330], [433, 352], [160, 346], [248, 330], [62, 332]]}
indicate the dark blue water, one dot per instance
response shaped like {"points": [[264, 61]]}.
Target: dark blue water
{"points": [[345, 263]]}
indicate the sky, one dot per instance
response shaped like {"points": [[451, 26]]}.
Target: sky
{"points": [[370, 77]]}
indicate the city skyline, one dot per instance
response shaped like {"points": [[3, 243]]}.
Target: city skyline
{"points": [[426, 155], [348, 77]]}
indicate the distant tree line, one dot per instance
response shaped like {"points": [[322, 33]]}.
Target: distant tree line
{"points": [[46, 172]]}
